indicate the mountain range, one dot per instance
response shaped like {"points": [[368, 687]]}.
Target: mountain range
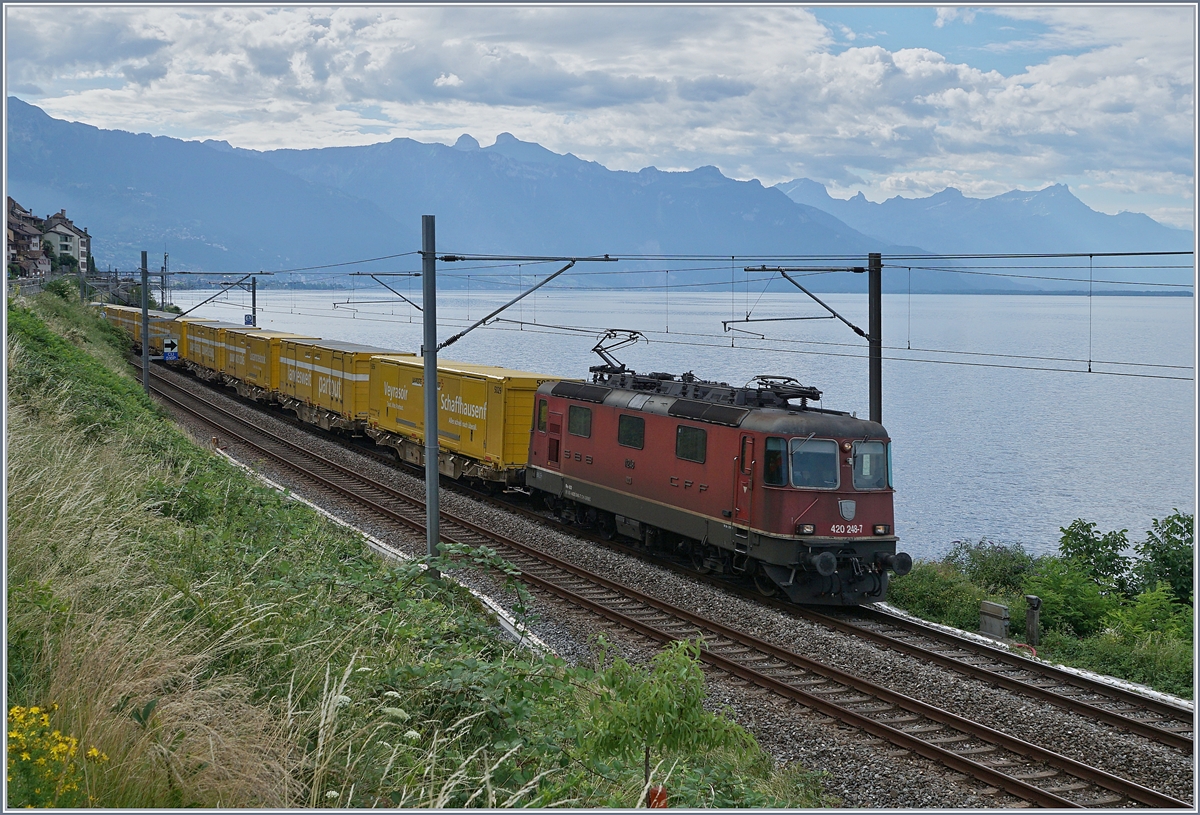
{"points": [[219, 208]]}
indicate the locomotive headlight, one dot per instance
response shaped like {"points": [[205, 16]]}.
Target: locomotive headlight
{"points": [[882, 529], [805, 529], [846, 446]]}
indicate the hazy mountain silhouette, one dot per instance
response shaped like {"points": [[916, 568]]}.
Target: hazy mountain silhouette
{"points": [[215, 207], [1050, 220]]}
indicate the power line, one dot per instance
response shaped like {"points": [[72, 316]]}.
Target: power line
{"points": [[1046, 277]]}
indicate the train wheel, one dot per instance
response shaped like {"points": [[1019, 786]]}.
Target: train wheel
{"points": [[696, 554], [765, 585]]}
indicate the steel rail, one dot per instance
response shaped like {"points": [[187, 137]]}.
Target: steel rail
{"points": [[992, 676], [951, 759]]}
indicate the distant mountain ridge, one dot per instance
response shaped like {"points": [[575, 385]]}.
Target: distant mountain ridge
{"points": [[216, 207], [1046, 220]]}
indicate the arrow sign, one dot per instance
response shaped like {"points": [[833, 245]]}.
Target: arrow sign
{"points": [[170, 345]]}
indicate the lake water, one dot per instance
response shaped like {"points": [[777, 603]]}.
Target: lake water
{"points": [[979, 449]]}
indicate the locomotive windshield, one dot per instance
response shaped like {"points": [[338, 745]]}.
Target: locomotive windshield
{"points": [[814, 463], [870, 465]]}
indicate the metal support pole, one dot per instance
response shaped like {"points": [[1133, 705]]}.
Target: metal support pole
{"points": [[145, 326], [430, 383], [254, 301], [875, 330]]}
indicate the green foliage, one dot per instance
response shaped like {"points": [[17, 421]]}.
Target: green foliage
{"points": [[938, 591], [62, 287], [997, 567], [1071, 599], [1167, 555], [1152, 611], [1100, 556], [59, 375], [1157, 659], [657, 711]]}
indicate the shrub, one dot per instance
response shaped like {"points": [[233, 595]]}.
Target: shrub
{"points": [[938, 592], [1098, 555], [996, 567], [1071, 599], [63, 288], [1152, 611], [1166, 555]]}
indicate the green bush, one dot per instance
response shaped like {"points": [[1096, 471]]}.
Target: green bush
{"points": [[1159, 660], [1152, 612], [1100, 556], [61, 287], [997, 567], [1071, 599], [1167, 555], [939, 592]]}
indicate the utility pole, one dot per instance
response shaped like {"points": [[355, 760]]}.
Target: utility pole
{"points": [[254, 301], [145, 326], [429, 350], [875, 319]]}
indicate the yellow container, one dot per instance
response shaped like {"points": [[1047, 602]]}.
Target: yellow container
{"points": [[328, 374], [177, 331], [206, 343], [129, 319], [484, 412], [252, 355]]}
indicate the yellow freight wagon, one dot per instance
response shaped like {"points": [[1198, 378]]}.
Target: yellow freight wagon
{"points": [[206, 347], [484, 415], [177, 331], [252, 360], [129, 319], [326, 382]]}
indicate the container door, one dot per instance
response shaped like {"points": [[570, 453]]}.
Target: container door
{"points": [[554, 431], [743, 492]]}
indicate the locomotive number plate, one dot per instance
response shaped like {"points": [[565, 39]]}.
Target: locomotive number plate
{"points": [[846, 529]]}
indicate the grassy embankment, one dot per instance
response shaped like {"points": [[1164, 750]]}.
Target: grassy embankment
{"points": [[189, 637], [1129, 617]]}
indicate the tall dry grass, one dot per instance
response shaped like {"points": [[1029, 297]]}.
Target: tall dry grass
{"points": [[100, 635]]}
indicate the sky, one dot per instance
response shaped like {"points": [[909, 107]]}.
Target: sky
{"points": [[883, 100]]}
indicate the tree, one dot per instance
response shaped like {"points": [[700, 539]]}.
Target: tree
{"points": [[1167, 556], [1099, 555], [660, 710]]}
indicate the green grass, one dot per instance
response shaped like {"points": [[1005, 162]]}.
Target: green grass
{"points": [[226, 646]]}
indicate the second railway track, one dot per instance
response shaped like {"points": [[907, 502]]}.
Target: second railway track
{"points": [[1002, 761]]}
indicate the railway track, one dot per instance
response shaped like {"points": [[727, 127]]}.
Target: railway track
{"points": [[1002, 761]]}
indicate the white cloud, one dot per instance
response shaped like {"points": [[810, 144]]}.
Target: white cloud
{"points": [[756, 91]]}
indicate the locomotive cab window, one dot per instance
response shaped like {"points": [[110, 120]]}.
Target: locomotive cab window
{"points": [[691, 443], [775, 462], [579, 421], [870, 465], [543, 414], [814, 463], [631, 431]]}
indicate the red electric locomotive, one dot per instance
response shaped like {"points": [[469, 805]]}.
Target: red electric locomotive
{"points": [[749, 480]]}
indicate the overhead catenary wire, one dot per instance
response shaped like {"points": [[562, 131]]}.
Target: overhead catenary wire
{"points": [[719, 342]]}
